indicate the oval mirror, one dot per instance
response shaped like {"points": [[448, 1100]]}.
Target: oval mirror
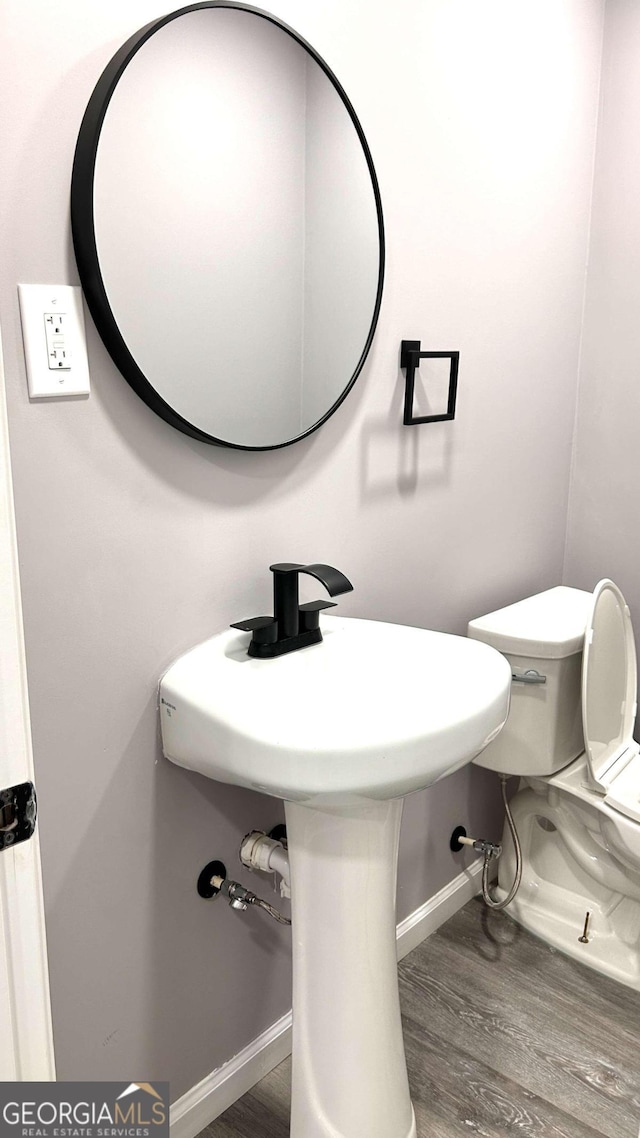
{"points": [[227, 226]]}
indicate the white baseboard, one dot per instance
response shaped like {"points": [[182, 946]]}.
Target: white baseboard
{"points": [[217, 1091], [423, 921]]}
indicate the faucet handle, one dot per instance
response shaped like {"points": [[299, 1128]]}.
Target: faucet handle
{"points": [[286, 567], [310, 614], [264, 629]]}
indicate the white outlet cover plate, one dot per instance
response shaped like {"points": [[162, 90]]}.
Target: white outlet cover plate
{"points": [[35, 302]]}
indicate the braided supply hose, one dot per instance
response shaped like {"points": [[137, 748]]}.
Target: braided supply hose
{"points": [[489, 854]]}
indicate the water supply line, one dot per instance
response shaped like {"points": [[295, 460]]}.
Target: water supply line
{"points": [[240, 898], [213, 882], [491, 851]]}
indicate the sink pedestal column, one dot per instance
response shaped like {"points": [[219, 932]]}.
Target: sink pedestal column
{"points": [[349, 1071]]}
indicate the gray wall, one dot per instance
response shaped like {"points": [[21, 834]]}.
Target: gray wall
{"points": [[136, 542], [603, 533]]}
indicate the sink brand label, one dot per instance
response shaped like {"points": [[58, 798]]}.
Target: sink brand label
{"points": [[84, 1110]]}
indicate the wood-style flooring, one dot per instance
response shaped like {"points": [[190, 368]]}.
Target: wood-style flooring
{"points": [[504, 1036]]}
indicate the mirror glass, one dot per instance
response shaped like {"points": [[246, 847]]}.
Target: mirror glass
{"points": [[228, 227]]}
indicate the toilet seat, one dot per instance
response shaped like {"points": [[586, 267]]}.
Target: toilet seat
{"points": [[609, 682], [624, 793]]}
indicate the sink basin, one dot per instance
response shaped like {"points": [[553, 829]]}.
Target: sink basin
{"points": [[341, 731], [375, 711]]}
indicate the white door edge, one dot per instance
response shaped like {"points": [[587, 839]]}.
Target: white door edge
{"points": [[26, 1053]]}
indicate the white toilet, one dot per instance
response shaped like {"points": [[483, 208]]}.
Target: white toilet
{"points": [[569, 736]]}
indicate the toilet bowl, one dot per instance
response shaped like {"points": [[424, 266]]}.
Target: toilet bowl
{"points": [[569, 737]]}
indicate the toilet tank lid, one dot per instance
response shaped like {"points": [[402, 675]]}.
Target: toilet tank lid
{"points": [[548, 625]]}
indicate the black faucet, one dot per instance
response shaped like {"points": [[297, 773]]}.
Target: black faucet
{"points": [[292, 625]]}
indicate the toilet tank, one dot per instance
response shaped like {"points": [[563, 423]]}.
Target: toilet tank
{"points": [[543, 634]]}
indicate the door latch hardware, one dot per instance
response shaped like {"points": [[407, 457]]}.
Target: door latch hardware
{"points": [[18, 812]]}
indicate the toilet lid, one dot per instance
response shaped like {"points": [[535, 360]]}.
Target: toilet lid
{"points": [[609, 679]]}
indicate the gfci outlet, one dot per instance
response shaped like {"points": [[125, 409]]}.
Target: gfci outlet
{"points": [[54, 340]]}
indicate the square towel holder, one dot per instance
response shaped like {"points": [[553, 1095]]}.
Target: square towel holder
{"points": [[410, 356]]}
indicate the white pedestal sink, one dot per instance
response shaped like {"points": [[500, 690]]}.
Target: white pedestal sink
{"points": [[341, 731]]}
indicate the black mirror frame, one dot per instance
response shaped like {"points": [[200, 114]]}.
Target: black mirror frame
{"points": [[84, 238]]}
